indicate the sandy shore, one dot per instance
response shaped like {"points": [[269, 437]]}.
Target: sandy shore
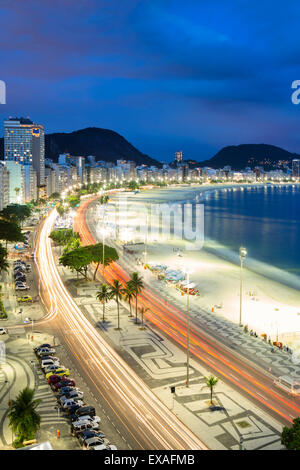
{"points": [[268, 306]]}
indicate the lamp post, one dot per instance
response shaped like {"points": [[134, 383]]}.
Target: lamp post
{"points": [[243, 254], [187, 272], [145, 241], [103, 242], [188, 332]]}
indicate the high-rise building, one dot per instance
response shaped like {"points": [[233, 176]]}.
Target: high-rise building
{"points": [[296, 168], [4, 186], [30, 183], [16, 182], [178, 156], [24, 142]]}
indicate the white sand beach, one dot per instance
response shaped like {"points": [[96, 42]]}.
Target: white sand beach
{"points": [[269, 306]]}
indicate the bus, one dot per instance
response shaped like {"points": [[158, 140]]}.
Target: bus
{"points": [[288, 384]]}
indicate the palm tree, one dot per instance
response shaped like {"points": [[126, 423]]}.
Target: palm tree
{"points": [[3, 265], [104, 295], [143, 310], [136, 283], [17, 191], [128, 295], [211, 382], [24, 420], [3, 259], [116, 291]]}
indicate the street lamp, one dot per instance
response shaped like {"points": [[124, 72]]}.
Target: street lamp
{"points": [[188, 272], [243, 254]]}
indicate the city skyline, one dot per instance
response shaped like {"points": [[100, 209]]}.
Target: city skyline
{"points": [[165, 77]]}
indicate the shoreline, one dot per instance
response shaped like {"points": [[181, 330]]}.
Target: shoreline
{"points": [[270, 306]]}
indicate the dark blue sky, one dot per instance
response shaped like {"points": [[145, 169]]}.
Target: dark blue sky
{"points": [[167, 74]]}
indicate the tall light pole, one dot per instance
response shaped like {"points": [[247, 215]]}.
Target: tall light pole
{"points": [[243, 254], [103, 242], [188, 332], [146, 240]]}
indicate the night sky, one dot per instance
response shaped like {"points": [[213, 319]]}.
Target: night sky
{"points": [[192, 75]]}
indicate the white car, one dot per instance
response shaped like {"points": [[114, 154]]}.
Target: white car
{"points": [[105, 447], [74, 394], [86, 418], [49, 362], [72, 401], [52, 367], [3, 331], [46, 351], [22, 286]]}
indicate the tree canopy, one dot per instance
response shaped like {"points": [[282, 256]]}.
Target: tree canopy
{"points": [[16, 212], [24, 419], [63, 236], [10, 231], [73, 201], [96, 252], [80, 258], [77, 260], [290, 437]]}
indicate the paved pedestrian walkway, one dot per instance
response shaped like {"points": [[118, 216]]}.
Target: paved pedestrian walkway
{"points": [[235, 422], [21, 370], [229, 333]]}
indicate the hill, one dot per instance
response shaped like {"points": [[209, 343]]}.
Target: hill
{"points": [[249, 155], [105, 144]]}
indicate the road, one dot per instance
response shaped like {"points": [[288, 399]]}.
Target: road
{"points": [[147, 422], [246, 376]]}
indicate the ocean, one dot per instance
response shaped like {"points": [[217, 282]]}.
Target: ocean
{"points": [[264, 219]]}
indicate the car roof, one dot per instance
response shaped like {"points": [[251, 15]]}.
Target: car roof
{"points": [[93, 439]]}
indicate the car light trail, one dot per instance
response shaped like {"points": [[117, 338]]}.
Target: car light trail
{"points": [[172, 321], [133, 403]]}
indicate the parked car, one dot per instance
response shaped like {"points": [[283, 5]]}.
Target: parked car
{"points": [[79, 427], [20, 278], [22, 287], [19, 266], [64, 382], [105, 447], [67, 389], [3, 331], [72, 401], [54, 379], [92, 442], [71, 412], [19, 270], [49, 362], [46, 351], [28, 267], [86, 410], [89, 434], [42, 346], [90, 419], [25, 298], [70, 395], [60, 371], [51, 358], [52, 367]]}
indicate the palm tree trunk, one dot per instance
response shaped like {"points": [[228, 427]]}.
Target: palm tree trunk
{"points": [[118, 314], [94, 277], [103, 320], [211, 395], [130, 307], [136, 320]]}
